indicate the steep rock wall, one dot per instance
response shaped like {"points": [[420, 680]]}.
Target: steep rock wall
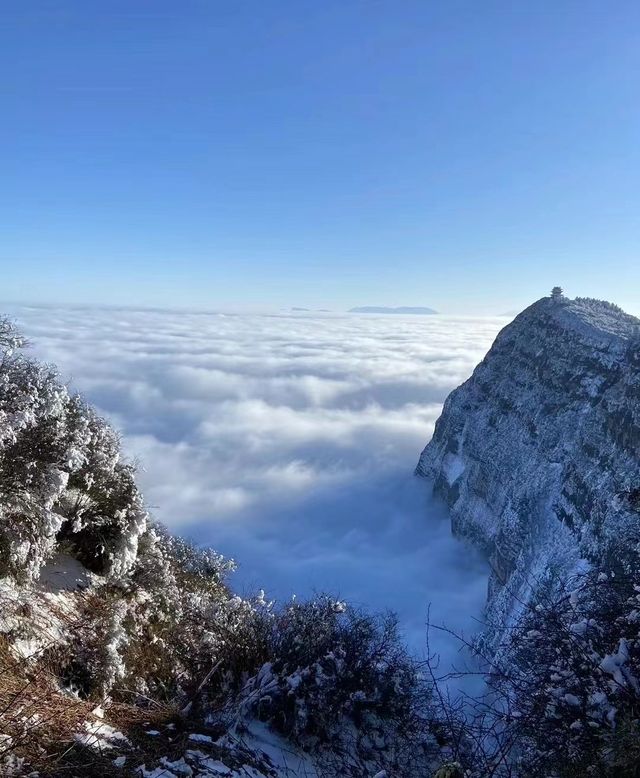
{"points": [[538, 453]]}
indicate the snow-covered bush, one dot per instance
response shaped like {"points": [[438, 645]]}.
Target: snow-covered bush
{"points": [[342, 678], [61, 475], [563, 694], [575, 681], [184, 619], [102, 507], [158, 632], [331, 679]]}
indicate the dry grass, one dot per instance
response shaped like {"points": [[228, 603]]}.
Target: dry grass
{"points": [[38, 718], [43, 721]]}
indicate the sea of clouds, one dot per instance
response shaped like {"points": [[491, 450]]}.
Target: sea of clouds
{"points": [[288, 442]]}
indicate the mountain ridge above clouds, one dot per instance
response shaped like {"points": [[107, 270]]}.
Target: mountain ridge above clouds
{"points": [[537, 453], [403, 309]]}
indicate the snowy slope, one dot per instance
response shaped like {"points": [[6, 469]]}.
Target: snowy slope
{"points": [[538, 453]]}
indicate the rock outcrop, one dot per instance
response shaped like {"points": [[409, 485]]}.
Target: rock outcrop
{"points": [[538, 453]]}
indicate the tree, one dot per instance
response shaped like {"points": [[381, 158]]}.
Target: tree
{"points": [[556, 293]]}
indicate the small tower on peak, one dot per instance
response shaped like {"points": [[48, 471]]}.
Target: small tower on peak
{"points": [[557, 294]]}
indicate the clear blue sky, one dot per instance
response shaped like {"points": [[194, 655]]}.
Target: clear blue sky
{"points": [[462, 155]]}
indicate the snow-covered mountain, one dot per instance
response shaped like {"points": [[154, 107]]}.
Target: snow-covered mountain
{"points": [[538, 453], [123, 650]]}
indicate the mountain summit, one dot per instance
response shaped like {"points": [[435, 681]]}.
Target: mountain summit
{"points": [[537, 453]]}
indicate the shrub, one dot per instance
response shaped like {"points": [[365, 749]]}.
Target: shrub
{"points": [[339, 677], [61, 475], [563, 698]]}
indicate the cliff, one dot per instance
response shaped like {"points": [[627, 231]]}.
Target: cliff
{"points": [[538, 453]]}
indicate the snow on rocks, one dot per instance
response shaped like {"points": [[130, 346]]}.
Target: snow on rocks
{"points": [[614, 665], [543, 438], [100, 736], [198, 738], [178, 766]]}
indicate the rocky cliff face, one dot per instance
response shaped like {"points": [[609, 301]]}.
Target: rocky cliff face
{"points": [[538, 453]]}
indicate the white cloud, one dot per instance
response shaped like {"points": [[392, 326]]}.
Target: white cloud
{"points": [[288, 442]]}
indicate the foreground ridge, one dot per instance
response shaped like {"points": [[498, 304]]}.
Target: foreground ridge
{"points": [[123, 650]]}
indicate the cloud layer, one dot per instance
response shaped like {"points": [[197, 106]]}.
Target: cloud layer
{"points": [[288, 442]]}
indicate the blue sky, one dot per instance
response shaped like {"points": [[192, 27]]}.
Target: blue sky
{"points": [[461, 155]]}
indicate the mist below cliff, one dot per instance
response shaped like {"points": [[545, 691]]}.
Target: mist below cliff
{"points": [[288, 443]]}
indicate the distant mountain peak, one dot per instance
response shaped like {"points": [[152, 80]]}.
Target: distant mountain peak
{"points": [[413, 310]]}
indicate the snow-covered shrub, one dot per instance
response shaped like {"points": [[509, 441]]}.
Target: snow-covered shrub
{"points": [[563, 695], [575, 681], [186, 618], [342, 678], [159, 632], [103, 509], [61, 475]]}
